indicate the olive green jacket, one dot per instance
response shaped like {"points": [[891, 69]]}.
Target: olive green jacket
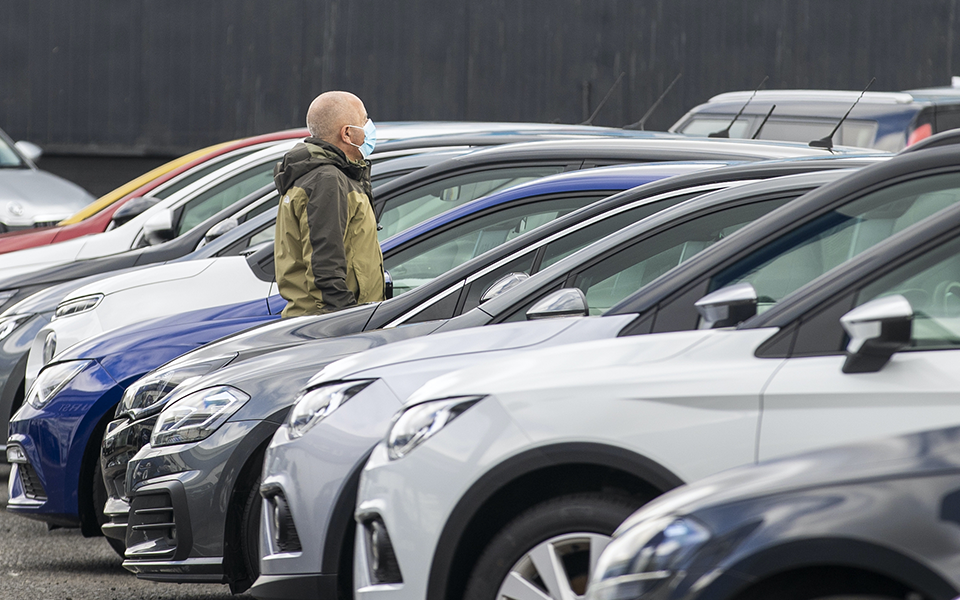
{"points": [[326, 252]]}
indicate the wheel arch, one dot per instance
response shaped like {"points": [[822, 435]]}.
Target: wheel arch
{"points": [[533, 476], [836, 555]]}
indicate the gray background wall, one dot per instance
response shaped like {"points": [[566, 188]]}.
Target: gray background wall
{"points": [[161, 77]]}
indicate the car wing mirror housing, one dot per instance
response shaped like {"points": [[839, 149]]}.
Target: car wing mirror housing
{"points": [[568, 302], [877, 330], [503, 284], [727, 307], [159, 228], [387, 285], [220, 228], [132, 208], [31, 151]]}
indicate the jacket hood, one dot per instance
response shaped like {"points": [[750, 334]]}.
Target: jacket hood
{"points": [[307, 156]]}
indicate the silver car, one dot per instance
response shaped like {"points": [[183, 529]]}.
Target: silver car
{"points": [[30, 197]]}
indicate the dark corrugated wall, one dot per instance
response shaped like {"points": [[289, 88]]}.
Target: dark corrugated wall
{"points": [[166, 76]]}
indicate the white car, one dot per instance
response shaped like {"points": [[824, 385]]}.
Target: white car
{"points": [[505, 480], [172, 215]]}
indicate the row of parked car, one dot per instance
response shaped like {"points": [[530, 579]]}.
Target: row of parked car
{"points": [[583, 320]]}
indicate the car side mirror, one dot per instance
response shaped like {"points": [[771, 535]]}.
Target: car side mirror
{"points": [[568, 302], [877, 330], [503, 284], [387, 285], [159, 228], [727, 307], [31, 151], [219, 229], [132, 208]]}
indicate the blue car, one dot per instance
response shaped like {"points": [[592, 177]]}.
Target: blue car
{"points": [[54, 439]]}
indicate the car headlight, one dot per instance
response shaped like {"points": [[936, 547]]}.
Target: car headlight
{"points": [[9, 324], [53, 379], [313, 405], [153, 388], [643, 556], [77, 305], [196, 416], [420, 422]]}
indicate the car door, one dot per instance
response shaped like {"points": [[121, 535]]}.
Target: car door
{"points": [[810, 402]]}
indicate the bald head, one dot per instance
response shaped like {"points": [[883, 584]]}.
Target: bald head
{"points": [[331, 111]]}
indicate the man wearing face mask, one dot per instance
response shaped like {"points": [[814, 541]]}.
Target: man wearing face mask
{"points": [[326, 252]]}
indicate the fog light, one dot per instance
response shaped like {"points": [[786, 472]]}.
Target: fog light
{"points": [[284, 532], [15, 454], [384, 567]]}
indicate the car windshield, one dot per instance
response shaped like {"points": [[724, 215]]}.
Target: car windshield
{"points": [[8, 156]]}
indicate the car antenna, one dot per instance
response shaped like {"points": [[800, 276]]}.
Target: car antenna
{"points": [[725, 133], [827, 142], [604, 101], [763, 122], [639, 124]]}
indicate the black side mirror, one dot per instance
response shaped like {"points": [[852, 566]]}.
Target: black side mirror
{"points": [[503, 284], [727, 307], [387, 285], [568, 302], [132, 208], [877, 330]]}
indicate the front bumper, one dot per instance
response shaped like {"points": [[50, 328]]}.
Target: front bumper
{"points": [[320, 505], [53, 441], [179, 501], [412, 498]]}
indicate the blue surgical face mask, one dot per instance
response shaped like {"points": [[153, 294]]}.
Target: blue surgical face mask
{"points": [[369, 138]]}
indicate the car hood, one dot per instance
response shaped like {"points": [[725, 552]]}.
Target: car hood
{"points": [[47, 299], [886, 458], [148, 276], [280, 334], [468, 341], [576, 363], [39, 193]]}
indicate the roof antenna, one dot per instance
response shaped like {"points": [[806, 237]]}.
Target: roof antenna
{"points": [[763, 122], [639, 124], [604, 101], [827, 142], [725, 133]]}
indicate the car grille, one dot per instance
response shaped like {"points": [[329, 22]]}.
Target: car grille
{"points": [[151, 520], [32, 488]]}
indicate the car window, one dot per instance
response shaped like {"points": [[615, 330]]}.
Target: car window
{"points": [[581, 238], [707, 125], [8, 157], [224, 194], [795, 259], [197, 173], [417, 205], [621, 274], [430, 257], [931, 284]]}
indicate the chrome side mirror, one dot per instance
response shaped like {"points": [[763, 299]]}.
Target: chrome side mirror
{"points": [[503, 284], [568, 302], [29, 150], [387, 285], [877, 330], [132, 208], [727, 307], [159, 228], [219, 229]]}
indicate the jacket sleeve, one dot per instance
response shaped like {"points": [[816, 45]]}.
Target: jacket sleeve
{"points": [[327, 215]]}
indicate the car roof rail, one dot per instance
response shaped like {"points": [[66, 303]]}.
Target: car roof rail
{"points": [[944, 138]]}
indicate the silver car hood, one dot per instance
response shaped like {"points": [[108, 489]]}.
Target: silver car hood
{"points": [[30, 195]]}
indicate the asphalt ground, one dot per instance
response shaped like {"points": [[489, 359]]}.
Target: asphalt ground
{"points": [[61, 564]]}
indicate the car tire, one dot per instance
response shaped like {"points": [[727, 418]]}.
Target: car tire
{"points": [[573, 529], [249, 537]]}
